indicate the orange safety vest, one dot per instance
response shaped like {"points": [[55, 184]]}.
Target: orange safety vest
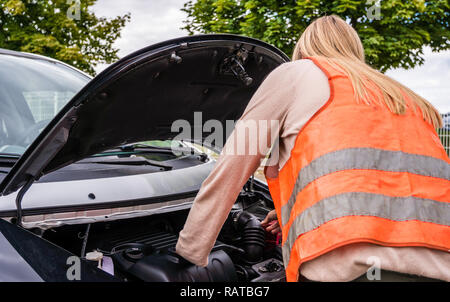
{"points": [[359, 173]]}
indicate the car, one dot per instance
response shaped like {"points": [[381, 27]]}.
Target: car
{"points": [[95, 184]]}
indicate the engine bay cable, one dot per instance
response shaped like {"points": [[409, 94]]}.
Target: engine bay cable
{"points": [[85, 239]]}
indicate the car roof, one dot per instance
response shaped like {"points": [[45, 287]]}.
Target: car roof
{"points": [[33, 56], [25, 55]]}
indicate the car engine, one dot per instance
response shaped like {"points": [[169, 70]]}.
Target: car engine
{"points": [[143, 249]]}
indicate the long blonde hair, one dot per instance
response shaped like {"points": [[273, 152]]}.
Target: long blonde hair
{"points": [[333, 39]]}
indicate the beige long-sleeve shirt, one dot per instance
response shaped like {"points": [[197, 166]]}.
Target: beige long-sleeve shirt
{"points": [[291, 94]]}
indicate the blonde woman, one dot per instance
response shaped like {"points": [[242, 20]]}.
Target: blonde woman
{"points": [[362, 178]]}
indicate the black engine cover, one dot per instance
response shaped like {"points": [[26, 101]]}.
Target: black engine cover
{"points": [[170, 268]]}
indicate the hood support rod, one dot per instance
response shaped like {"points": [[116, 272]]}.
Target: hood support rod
{"points": [[19, 198]]}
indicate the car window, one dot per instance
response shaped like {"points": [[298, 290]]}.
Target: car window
{"points": [[32, 92], [45, 104]]}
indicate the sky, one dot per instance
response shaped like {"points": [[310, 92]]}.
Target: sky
{"points": [[154, 21]]}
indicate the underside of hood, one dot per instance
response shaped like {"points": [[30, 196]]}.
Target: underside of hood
{"points": [[139, 97]]}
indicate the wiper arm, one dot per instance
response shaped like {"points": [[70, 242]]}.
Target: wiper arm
{"points": [[129, 162], [143, 147]]}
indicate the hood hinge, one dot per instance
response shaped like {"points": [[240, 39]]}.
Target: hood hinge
{"points": [[234, 65]]}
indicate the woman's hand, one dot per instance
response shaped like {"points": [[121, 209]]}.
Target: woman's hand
{"points": [[270, 223]]}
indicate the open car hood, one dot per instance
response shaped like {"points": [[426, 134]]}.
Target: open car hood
{"points": [[139, 97]]}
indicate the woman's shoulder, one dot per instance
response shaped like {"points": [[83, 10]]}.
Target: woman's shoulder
{"points": [[297, 66], [302, 75]]}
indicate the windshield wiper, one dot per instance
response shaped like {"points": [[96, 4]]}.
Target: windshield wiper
{"points": [[144, 147], [8, 160], [9, 155]]}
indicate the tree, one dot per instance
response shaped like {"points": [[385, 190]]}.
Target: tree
{"points": [[395, 40], [62, 29]]}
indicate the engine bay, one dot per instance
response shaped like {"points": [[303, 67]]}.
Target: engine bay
{"points": [[143, 248]]}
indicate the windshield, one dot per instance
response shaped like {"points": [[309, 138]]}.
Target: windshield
{"points": [[32, 91]]}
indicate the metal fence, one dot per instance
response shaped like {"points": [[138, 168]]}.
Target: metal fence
{"points": [[444, 133], [445, 138]]}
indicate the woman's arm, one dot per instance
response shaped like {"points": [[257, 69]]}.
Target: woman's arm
{"points": [[220, 190]]}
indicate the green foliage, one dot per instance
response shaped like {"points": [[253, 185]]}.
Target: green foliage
{"points": [[43, 27], [396, 40]]}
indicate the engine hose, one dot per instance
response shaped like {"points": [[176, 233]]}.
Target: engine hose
{"points": [[253, 236]]}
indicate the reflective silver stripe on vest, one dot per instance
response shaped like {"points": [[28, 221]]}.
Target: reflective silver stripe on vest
{"points": [[366, 204], [365, 158]]}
